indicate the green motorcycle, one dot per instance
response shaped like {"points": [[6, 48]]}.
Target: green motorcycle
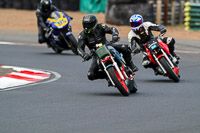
{"points": [[113, 64]]}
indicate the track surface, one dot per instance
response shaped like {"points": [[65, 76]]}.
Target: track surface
{"points": [[73, 104]]}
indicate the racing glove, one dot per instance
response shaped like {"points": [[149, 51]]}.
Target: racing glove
{"points": [[71, 17], [162, 32], [115, 38]]}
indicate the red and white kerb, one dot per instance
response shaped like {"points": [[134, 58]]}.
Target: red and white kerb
{"points": [[22, 76]]}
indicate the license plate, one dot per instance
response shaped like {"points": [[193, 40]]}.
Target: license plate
{"points": [[153, 46]]}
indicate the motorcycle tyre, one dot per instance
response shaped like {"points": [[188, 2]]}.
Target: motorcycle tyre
{"points": [[74, 44], [117, 82], [56, 50], [167, 67]]}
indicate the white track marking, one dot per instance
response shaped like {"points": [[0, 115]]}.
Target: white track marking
{"points": [[7, 43], [9, 82], [19, 43]]}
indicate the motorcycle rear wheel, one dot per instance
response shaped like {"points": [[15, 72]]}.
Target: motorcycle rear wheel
{"points": [[120, 84], [169, 70]]}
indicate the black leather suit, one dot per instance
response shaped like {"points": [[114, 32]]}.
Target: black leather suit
{"points": [[99, 36], [41, 19]]}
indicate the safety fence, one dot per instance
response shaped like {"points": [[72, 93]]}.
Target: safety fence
{"points": [[70, 5], [88, 6], [192, 16], [118, 12]]}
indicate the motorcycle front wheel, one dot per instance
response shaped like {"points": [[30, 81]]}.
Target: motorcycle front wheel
{"points": [[169, 70], [73, 42], [119, 83]]}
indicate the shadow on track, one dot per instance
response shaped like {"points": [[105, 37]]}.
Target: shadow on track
{"points": [[117, 94], [156, 80], [102, 94], [63, 54]]}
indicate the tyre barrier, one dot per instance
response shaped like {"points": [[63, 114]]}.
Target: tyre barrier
{"points": [[72, 5], [192, 16], [17, 4], [2, 3], [8, 3], [119, 14]]}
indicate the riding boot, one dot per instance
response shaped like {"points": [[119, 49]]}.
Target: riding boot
{"points": [[157, 70], [129, 62], [175, 58], [132, 66], [175, 55], [146, 61]]}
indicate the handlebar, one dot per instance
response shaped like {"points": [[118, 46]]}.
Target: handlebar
{"points": [[93, 50]]}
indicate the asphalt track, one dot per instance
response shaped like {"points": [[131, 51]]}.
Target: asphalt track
{"points": [[73, 104]]}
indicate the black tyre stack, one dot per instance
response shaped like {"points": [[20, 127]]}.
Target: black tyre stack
{"points": [[8, 3], [2, 3], [70, 5], [118, 12], [17, 4], [34, 4]]}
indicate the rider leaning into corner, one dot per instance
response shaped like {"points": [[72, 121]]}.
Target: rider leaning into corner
{"points": [[43, 11], [94, 33], [141, 34]]}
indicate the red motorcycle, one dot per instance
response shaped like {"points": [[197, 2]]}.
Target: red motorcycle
{"points": [[164, 62]]}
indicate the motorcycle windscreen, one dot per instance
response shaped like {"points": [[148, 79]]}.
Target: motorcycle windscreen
{"points": [[55, 15]]}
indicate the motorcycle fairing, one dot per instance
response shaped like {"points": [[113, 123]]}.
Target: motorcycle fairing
{"points": [[164, 46], [58, 20]]}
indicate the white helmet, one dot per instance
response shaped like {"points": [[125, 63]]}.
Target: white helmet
{"points": [[136, 22]]}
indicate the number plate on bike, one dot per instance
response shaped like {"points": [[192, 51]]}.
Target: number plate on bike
{"points": [[153, 47]]}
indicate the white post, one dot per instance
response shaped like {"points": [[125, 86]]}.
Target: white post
{"points": [[173, 14], [158, 11]]}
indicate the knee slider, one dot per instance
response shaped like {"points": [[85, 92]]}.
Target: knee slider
{"points": [[91, 76], [170, 41]]}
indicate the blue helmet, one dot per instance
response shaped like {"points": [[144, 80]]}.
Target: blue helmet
{"points": [[136, 22]]}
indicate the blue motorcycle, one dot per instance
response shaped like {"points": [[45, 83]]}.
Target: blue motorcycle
{"points": [[59, 33]]}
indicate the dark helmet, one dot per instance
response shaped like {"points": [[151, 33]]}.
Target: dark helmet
{"points": [[89, 23], [46, 5]]}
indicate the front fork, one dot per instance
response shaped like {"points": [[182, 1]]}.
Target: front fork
{"points": [[169, 61], [116, 67]]}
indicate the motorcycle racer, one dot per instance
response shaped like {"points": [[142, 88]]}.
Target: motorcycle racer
{"points": [[94, 33], [43, 11], [141, 33]]}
